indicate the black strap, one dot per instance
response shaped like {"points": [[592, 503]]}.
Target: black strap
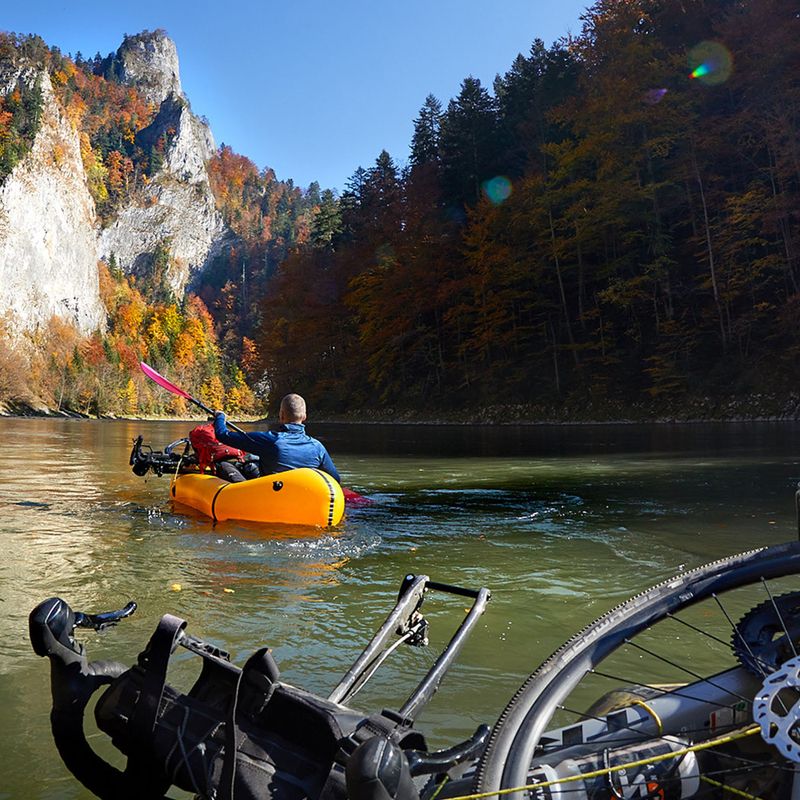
{"points": [[388, 724], [154, 660], [257, 681], [143, 769]]}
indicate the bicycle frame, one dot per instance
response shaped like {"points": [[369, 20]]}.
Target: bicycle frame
{"points": [[406, 621]]}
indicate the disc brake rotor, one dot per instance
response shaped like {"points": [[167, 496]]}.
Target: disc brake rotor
{"points": [[760, 639], [776, 708]]}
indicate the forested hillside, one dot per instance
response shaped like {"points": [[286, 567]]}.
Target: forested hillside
{"points": [[198, 337], [614, 222], [612, 225]]}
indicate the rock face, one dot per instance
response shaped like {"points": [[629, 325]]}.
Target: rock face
{"points": [[48, 239], [149, 61], [179, 212]]}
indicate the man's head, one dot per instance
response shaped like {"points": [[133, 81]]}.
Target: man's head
{"points": [[293, 409]]}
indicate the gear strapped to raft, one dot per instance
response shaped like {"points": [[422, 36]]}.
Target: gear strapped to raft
{"points": [[201, 452], [243, 733], [209, 449]]}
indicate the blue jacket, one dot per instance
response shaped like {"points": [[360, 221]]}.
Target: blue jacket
{"points": [[287, 448]]}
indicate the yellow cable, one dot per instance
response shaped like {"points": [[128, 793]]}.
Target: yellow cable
{"points": [[737, 792], [598, 772], [652, 712], [439, 788]]}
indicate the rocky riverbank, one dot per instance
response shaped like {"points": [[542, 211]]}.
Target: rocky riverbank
{"points": [[759, 407]]}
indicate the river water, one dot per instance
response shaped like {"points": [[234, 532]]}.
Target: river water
{"points": [[561, 523]]}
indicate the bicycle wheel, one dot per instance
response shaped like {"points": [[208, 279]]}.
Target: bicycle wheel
{"points": [[636, 643]]}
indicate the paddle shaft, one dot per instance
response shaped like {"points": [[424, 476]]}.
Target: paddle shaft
{"points": [[209, 411]]}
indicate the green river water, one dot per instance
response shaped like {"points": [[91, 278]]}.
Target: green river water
{"points": [[561, 523]]}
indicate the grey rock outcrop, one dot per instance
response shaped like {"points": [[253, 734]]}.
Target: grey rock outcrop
{"points": [[149, 61], [178, 211], [48, 239]]}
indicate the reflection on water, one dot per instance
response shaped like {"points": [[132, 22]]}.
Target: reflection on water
{"points": [[561, 524]]}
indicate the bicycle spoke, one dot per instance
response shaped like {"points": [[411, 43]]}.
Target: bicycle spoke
{"points": [[685, 669], [780, 618], [710, 708]]}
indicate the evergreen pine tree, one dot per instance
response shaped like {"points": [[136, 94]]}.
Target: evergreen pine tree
{"points": [[427, 131], [468, 147]]}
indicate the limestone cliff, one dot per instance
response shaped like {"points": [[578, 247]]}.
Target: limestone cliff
{"points": [[149, 62], [48, 239], [50, 236], [178, 210]]}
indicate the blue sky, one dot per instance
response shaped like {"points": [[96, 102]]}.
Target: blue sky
{"points": [[313, 88]]}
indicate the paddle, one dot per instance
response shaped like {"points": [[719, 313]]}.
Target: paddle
{"points": [[354, 498], [171, 387]]}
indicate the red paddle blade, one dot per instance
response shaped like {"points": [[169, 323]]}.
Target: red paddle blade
{"points": [[354, 498], [162, 381]]}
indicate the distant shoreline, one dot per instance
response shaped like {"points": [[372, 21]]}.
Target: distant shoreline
{"points": [[740, 411]]}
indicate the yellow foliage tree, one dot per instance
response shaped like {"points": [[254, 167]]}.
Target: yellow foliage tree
{"points": [[129, 398], [131, 316], [177, 406], [213, 392], [240, 400], [155, 331], [184, 350], [96, 171], [172, 321]]}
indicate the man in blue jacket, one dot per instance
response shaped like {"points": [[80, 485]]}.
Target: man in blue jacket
{"points": [[287, 448]]}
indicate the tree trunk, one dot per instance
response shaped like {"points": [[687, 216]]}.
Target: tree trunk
{"points": [[561, 287], [710, 251]]}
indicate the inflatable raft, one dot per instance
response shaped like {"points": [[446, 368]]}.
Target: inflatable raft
{"points": [[302, 496]]}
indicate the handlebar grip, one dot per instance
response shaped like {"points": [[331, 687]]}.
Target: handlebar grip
{"points": [[73, 681], [104, 619]]}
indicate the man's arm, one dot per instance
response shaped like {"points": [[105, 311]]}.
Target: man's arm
{"points": [[327, 465], [239, 440]]}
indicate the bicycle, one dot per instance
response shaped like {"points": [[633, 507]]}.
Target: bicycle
{"points": [[729, 730]]}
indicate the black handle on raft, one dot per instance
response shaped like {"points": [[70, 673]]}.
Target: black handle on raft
{"points": [[73, 680]]}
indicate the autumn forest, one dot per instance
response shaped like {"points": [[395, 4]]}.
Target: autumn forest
{"points": [[614, 223]]}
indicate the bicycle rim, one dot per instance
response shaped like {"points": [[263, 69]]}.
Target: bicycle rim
{"points": [[510, 752]]}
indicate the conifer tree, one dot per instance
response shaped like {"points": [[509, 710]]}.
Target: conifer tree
{"points": [[467, 139], [425, 143]]}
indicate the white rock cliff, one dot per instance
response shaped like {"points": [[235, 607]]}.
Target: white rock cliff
{"points": [[50, 239], [178, 211]]}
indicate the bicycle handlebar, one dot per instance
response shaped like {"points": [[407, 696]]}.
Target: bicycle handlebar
{"points": [[73, 681], [129, 709]]}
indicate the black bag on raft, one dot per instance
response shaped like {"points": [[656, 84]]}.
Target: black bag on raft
{"points": [[238, 733]]}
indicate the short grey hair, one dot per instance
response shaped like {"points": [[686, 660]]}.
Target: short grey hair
{"points": [[293, 408]]}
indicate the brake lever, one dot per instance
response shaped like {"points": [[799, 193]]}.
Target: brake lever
{"points": [[105, 619], [52, 623]]}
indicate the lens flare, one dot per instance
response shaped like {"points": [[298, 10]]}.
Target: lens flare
{"points": [[497, 189], [711, 63], [653, 96]]}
